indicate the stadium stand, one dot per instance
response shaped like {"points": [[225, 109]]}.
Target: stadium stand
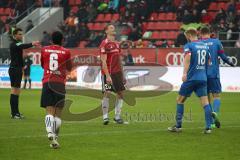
{"points": [[163, 19]]}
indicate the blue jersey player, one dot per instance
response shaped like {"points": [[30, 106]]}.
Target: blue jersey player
{"points": [[194, 79], [214, 85]]}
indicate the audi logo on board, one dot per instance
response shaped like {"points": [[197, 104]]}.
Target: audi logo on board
{"points": [[177, 59]]}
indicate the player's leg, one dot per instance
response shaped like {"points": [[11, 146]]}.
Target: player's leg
{"points": [[118, 108], [106, 89], [15, 78], [201, 91], [119, 88], [216, 107], [25, 82], [184, 92], [58, 120], [208, 113]]}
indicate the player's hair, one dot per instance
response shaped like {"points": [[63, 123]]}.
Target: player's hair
{"points": [[205, 30], [107, 25], [16, 31], [191, 31], [57, 37]]}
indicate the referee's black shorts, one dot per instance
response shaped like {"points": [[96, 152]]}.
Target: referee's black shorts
{"points": [[15, 75], [117, 83], [53, 94]]}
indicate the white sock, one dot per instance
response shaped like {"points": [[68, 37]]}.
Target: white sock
{"points": [[49, 122], [105, 106], [58, 123], [118, 108]]}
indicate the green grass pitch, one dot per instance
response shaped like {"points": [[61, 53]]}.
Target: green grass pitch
{"points": [[144, 138]]}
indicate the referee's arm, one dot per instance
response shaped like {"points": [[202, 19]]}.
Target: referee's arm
{"points": [[24, 46]]}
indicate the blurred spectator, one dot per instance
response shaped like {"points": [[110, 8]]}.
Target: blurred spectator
{"points": [[237, 44], [164, 44], [151, 45], [181, 39], [92, 13], [221, 15], [127, 57], [83, 31], [113, 5], [232, 34], [187, 17], [82, 14], [196, 16], [71, 40], [136, 33], [207, 19], [2, 27], [139, 43], [20, 7], [29, 26], [71, 22], [46, 40], [230, 17], [95, 42], [231, 6]]}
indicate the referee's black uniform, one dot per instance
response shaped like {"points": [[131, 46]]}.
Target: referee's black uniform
{"points": [[15, 71]]}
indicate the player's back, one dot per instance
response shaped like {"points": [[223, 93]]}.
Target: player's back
{"points": [[55, 61], [215, 47], [198, 63]]}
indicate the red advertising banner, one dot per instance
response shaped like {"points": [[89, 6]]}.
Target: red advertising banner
{"points": [[91, 56], [170, 57]]}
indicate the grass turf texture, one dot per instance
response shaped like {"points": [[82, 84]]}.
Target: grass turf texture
{"points": [[144, 138]]}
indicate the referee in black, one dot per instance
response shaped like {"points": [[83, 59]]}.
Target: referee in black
{"points": [[16, 69]]}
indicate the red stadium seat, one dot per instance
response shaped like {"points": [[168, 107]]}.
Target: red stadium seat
{"points": [[171, 16], [212, 14], [115, 17], [1, 11], [173, 25], [158, 43], [108, 17], [74, 9], [155, 35], [7, 11], [90, 26], [163, 35], [4, 18], [222, 5], [71, 2], [151, 26], [100, 18], [145, 44], [153, 17], [160, 25], [170, 43], [161, 16], [78, 2], [172, 35], [213, 6]]}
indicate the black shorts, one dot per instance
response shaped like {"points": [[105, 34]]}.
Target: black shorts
{"points": [[53, 94], [117, 83], [27, 72], [15, 75]]}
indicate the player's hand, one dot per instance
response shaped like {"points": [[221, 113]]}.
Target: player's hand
{"points": [[231, 63], [109, 80], [184, 77], [36, 43]]}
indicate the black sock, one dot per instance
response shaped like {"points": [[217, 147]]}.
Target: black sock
{"points": [[25, 83], [14, 104], [30, 82]]}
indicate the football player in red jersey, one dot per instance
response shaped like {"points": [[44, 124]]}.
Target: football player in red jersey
{"points": [[112, 74], [55, 61]]}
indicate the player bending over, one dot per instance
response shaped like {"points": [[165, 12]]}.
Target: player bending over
{"points": [[112, 74], [194, 79], [55, 61], [213, 81]]}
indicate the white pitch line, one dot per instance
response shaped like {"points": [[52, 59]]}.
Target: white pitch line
{"points": [[106, 132]]}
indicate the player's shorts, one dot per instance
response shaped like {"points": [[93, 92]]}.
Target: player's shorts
{"points": [[117, 83], [214, 85], [199, 87], [53, 94], [27, 72], [15, 75]]}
